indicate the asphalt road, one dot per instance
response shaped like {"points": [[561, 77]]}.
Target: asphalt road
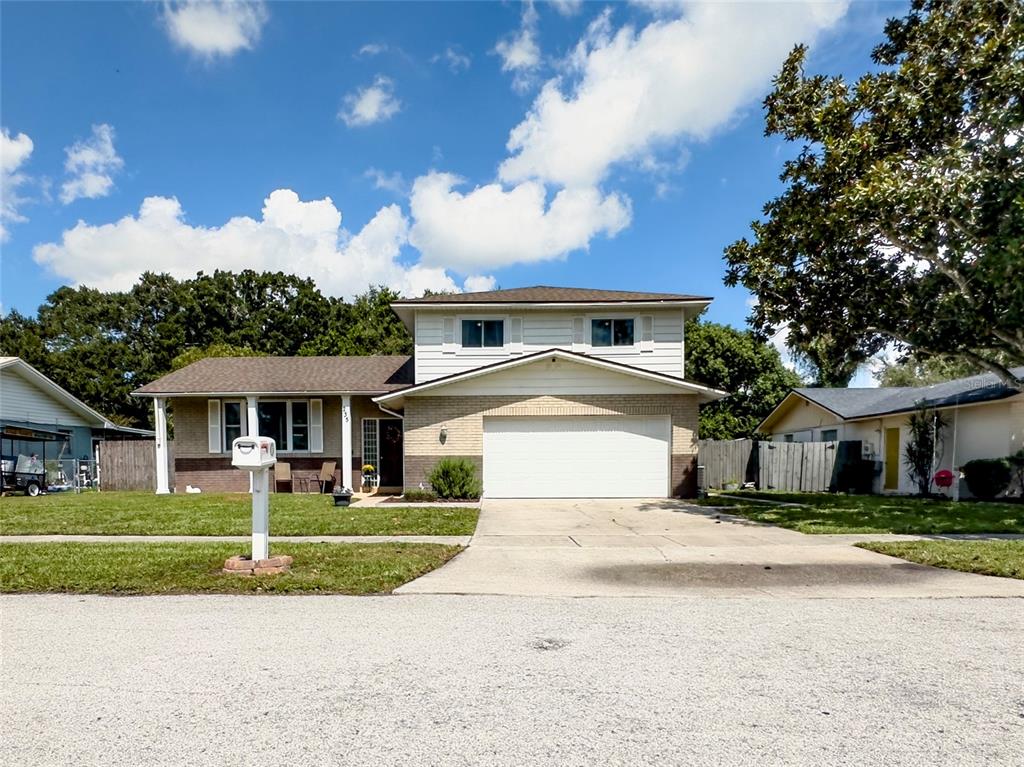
{"points": [[477, 680]]}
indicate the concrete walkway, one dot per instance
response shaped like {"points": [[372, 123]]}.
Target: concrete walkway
{"points": [[589, 548], [450, 540]]}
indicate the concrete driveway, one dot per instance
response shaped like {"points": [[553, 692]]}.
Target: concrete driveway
{"points": [[663, 547]]}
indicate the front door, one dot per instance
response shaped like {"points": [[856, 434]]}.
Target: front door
{"points": [[390, 469], [892, 459]]}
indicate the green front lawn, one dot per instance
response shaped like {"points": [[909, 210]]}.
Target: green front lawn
{"points": [[194, 568], [834, 513], [124, 513], [1002, 558]]}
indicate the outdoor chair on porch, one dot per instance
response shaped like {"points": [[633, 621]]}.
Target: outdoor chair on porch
{"points": [[283, 476], [325, 479]]}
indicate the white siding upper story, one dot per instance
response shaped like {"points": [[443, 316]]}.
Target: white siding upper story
{"points": [[658, 339], [21, 400], [553, 377]]}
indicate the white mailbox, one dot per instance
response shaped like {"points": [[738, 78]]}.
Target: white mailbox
{"points": [[253, 453]]}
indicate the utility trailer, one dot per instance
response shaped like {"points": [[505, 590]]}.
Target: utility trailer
{"points": [[22, 467]]}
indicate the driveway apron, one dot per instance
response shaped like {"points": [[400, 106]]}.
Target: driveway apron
{"points": [[658, 547]]}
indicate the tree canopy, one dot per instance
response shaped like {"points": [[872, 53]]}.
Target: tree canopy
{"points": [[103, 345], [902, 219], [735, 361]]}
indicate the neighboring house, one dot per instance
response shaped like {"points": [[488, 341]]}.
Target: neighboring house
{"points": [[984, 419], [549, 391], [31, 403]]}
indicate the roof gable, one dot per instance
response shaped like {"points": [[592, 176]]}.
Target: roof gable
{"points": [[553, 355], [53, 398]]}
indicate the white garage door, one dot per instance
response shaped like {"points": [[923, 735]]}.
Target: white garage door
{"points": [[576, 457]]}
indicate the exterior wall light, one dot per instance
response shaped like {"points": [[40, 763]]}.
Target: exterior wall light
{"points": [[444, 434]]}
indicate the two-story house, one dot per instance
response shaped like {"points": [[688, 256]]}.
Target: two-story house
{"points": [[551, 392]]}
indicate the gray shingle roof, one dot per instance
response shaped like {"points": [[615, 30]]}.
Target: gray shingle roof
{"points": [[862, 403], [285, 375], [549, 295]]}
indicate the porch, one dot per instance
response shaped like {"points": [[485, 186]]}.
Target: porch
{"points": [[349, 430]]}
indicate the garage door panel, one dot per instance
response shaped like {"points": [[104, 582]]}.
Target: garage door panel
{"points": [[573, 457]]}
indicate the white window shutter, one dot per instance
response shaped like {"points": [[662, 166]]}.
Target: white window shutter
{"points": [[216, 435], [316, 426], [647, 333], [516, 335], [448, 341], [579, 341]]}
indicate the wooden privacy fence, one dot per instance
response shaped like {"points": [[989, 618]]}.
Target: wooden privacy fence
{"points": [[789, 466], [720, 462], [797, 466], [131, 464]]}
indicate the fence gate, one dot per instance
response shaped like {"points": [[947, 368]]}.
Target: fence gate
{"points": [[131, 464], [797, 466], [726, 461]]}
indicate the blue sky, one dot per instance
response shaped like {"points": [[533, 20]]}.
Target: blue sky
{"points": [[460, 145]]}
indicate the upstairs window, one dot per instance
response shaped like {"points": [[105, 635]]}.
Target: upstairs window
{"points": [[478, 334], [611, 332]]}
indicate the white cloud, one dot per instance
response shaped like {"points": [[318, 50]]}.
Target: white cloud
{"points": [[490, 227], [299, 237], [456, 60], [91, 165], [519, 52], [566, 7], [390, 182], [632, 93], [372, 49], [478, 283], [369, 105], [14, 152], [209, 29]]}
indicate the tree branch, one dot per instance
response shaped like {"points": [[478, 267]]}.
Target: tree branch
{"points": [[1001, 371]]}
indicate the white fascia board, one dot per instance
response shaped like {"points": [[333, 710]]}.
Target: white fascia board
{"points": [[560, 354], [526, 306], [57, 391], [238, 394]]}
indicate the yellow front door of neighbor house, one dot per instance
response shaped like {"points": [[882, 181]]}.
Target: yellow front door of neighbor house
{"points": [[892, 459]]}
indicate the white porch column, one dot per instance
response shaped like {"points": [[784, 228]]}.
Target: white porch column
{"points": [[160, 419], [252, 427], [346, 442]]}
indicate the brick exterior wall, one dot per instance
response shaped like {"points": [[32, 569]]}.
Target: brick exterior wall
{"points": [[195, 465], [463, 417]]}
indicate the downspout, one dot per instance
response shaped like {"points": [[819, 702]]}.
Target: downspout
{"points": [[956, 471]]}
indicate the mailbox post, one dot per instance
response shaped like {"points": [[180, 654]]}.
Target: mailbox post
{"points": [[257, 455]]}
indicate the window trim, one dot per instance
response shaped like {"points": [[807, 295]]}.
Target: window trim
{"points": [[362, 445], [243, 418], [613, 318], [288, 423], [483, 350]]}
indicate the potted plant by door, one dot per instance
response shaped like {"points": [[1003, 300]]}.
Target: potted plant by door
{"points": [[370, 481]]}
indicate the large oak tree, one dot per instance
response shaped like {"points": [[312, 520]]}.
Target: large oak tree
{"points": [[903, 214]]}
